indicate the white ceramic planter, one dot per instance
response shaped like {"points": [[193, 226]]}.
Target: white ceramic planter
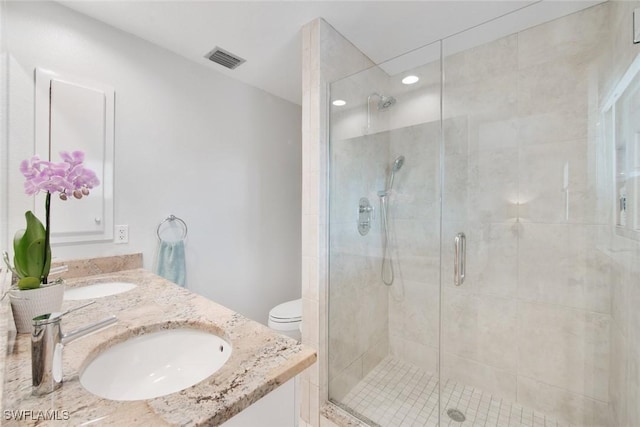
{"points": [[31, 303]]}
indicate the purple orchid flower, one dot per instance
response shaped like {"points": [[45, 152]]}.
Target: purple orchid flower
{"points": [[68, 177]]}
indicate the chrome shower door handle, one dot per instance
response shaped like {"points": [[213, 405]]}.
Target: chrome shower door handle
{"points": [[459, 259]]}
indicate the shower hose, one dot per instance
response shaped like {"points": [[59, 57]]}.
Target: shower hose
{"points": [[387, 262]]}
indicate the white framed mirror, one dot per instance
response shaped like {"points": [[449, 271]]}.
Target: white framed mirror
{"points": [[77, 114]]}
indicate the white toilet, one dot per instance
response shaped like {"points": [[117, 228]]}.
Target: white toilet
{"points": [[286, 318]]}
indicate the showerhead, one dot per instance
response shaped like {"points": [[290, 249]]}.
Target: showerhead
{"points": [[385, 102], [397, 164], [395, 167]]}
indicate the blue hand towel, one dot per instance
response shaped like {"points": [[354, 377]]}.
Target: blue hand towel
{"points": [[171, 261]]}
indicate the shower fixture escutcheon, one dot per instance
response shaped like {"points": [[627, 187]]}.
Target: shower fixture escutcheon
{"points": [[365, 215]]}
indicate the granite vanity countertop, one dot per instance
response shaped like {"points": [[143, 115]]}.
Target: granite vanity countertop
{"points": [[260, 361]]}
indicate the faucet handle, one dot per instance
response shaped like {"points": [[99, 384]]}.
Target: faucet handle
{"points": [[47, 318], [78, 307]]}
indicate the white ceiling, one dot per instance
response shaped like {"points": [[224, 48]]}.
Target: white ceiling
{"points": [[266, 33]]}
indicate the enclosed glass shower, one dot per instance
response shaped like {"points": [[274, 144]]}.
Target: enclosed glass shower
{"points": [[477, 273]]}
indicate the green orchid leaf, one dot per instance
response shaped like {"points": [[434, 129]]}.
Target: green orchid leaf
{"points": [[23, 238], [35, 261], [35, 229], [28, 245], [29, 283], [18, 257]]}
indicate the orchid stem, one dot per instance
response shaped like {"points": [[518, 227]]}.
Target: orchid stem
{"points": [[47, 204]]}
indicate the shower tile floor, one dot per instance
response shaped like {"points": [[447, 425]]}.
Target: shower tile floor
{"points": [[396, 393]]}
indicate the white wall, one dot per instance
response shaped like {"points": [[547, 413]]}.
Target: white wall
{"points": [[222, 155], [3, 126]]}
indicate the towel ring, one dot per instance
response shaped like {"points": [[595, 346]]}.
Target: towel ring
{"points": [[172, 218]]}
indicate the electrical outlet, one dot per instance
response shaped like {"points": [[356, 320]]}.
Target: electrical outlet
{"points": [[122, 234]]}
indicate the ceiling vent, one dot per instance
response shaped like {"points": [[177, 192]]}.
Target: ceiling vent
{"points": [[224, 58]]}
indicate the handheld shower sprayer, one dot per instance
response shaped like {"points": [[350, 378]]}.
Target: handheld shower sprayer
{"points": [[395, 167], [384, 206]]}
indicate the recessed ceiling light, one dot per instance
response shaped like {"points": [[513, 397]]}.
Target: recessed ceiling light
{"points": [[409, 80], [339, 102]]}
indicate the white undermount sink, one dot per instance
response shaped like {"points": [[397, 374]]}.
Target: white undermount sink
{"points": [[97, 290], [155, 364]]}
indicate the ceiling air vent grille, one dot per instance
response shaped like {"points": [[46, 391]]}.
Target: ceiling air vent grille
{"points": [[224, 58]]}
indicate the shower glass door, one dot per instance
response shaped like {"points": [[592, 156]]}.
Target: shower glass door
{"points": [[384, 258], [525, 337]]}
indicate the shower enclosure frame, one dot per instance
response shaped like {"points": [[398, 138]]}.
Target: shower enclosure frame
{"points": [[517, 204]]}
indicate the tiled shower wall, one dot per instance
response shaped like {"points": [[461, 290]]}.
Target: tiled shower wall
{"points": [[414, 218], [365, 315], [358, 333]]}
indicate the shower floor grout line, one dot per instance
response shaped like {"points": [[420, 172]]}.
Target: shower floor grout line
{"points": [[398, 394]]}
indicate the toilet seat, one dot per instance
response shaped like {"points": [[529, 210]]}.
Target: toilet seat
{"points": [[286, 316], [290, 311]]}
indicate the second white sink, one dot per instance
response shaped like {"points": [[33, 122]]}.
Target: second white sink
{"points": [[155, 364], [97, 290]]}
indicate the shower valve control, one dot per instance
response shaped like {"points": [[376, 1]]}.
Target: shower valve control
{"points": [[365, 214]]}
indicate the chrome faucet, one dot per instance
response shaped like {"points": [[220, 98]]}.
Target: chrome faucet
{"points": [[47, 341]]}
